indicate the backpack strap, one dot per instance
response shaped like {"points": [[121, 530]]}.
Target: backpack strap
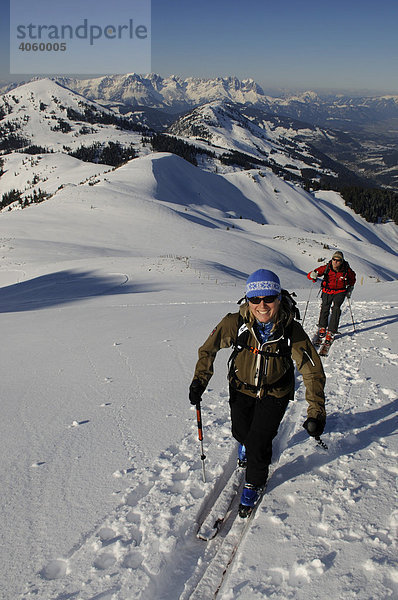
{"points": [[284, 349], [242, 336], [328, 267]]}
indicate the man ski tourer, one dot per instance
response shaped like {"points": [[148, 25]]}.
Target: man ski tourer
{"points": [[266, 337], [338, 283]]}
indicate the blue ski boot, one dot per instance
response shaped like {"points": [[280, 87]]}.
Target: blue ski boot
{"points": [[248, 499], [242, 460]]}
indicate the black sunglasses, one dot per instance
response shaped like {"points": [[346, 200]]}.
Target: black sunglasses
{"points": [[266, 299]]}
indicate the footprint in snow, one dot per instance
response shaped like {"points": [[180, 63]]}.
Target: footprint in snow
{"points": [[133, 559], [105, 561], [134, 496], [55, 569], [133, 519], [108, 536]]}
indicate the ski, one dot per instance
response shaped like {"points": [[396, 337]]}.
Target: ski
{"points": [[219, 511], [325, 348], [317, 341], [214, 576]]}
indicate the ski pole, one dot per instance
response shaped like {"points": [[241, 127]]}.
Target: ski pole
{"points": [[352, 318], [308, 301], [200, 435]]}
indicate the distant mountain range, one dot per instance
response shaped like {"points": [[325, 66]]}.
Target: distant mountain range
{"points": [[302, 136], [176, 94]]}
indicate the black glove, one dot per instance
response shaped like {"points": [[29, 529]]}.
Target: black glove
{"points": [[349, 291], [314, 427], [196, 390]]}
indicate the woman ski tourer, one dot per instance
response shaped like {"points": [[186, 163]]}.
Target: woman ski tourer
{"points": [[266, 338], [338, 284]]}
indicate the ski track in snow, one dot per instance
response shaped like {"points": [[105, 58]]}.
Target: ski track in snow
{"points": [[147, 549]]}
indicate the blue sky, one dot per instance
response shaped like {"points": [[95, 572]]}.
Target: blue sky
{"points": [[293, 44]]}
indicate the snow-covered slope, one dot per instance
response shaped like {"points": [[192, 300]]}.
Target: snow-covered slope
{"points": [[223, 127], [46, 114], [107, 290], [48, 172], [255, 207]]}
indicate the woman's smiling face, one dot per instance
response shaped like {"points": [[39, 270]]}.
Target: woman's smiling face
{"points": [[264, 311]]}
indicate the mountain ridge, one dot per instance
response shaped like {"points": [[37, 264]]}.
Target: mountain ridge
{"points": [[175, 93]]}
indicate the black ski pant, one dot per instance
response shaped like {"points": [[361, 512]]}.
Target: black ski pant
{"points": [[255, 423], [334, 302]]}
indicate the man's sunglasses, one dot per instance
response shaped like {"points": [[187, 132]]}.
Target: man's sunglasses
{"points": [[266, 299]]}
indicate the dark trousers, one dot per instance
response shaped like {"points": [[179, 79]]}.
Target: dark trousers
{"points": [[333, 301], [255, 423]]}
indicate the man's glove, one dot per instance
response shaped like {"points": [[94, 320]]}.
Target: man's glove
{"points": [[349, 291], [314, 275], [314, 427], [196, 390]]}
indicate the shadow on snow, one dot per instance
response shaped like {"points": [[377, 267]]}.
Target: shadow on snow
{"points": [[359, 326], [377, 423], [181, 183], [63, 287]]}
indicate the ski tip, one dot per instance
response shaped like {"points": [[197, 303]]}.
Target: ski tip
{"points": [[205, 537], [209, 533], [324, 353]]}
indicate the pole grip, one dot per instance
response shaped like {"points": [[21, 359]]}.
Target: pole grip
{"points": [[199, 419], [200, 435]]}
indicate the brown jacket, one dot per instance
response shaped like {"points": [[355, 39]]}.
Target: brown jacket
{"points": [[256, 374]]}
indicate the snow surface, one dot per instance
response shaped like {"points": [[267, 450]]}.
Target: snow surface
{"points": [[107, 292]]}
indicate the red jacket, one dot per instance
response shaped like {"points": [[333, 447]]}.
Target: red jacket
{"points": [[335, 282]]}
